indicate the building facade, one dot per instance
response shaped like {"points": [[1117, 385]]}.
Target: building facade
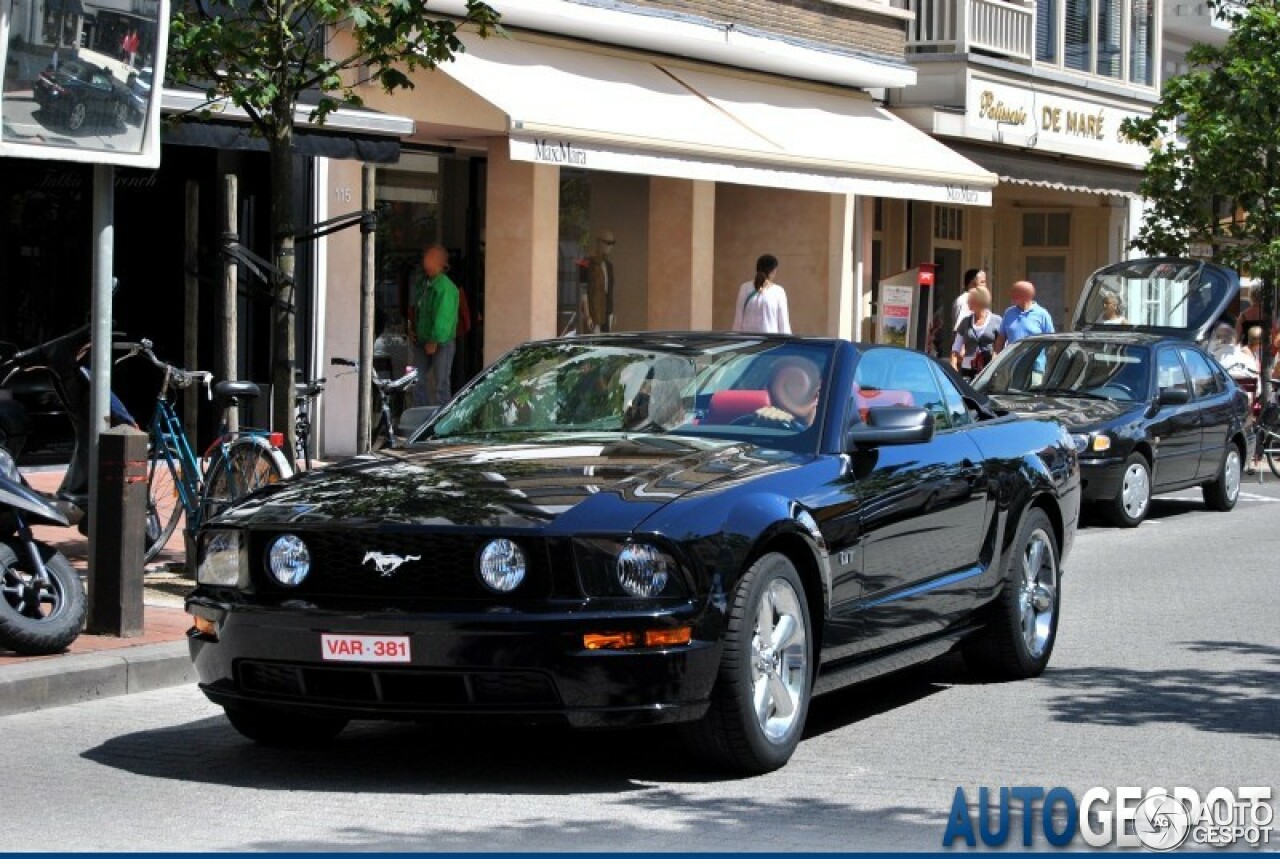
{"points": [[1035, 91], [659, 146]]}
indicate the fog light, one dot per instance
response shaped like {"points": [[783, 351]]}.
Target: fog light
{"points": [[668, 637], [610, 640], [628, 640]]}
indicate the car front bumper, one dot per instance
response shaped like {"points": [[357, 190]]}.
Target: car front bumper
{"points": [[1101, 477], [526, 665]]}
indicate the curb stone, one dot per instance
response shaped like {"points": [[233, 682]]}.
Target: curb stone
{"points": [[86, 677]]}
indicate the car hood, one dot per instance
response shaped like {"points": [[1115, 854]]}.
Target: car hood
{"points": [[1075, 413], [573, 486]]}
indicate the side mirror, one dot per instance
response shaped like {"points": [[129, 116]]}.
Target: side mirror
{"points": [[891, 425], [1174, 397]]}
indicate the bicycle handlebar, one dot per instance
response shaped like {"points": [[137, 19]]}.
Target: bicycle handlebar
{"points": [[176, 376]]}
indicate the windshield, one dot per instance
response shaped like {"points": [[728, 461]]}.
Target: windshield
{"points": [[739, 390], [1157, 293], [1113, 371]]}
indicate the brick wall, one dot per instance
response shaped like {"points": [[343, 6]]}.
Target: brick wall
{"points": [[815, 21]]}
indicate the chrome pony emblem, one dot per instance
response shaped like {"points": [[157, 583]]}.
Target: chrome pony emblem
{"points": [[388, 564]]}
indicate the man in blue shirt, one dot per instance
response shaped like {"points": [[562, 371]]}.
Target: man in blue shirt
{"points": [[1024, 318]]}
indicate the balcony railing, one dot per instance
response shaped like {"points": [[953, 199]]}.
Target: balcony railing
{"points": [[1005, 28]]}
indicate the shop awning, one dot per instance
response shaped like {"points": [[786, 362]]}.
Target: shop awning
{"points": [[349, 133], [598, 110], [1057, 174]]}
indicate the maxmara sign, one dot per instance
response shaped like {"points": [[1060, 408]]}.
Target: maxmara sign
{"points": [[1050, 122]]}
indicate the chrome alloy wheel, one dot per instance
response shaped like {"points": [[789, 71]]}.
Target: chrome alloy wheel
{"points": [[1039, 586], [779, 661], [1231, 474], [1135, 492]]}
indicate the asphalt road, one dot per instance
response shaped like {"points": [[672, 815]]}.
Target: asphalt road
{"points": [[1167, 672]]}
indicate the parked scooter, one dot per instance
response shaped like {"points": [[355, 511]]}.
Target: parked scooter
{"points": [[42, 602]]}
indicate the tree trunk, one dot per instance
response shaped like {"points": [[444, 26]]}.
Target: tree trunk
{"points": [[282, 230]]}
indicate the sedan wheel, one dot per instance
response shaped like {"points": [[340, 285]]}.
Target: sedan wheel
{"points": [[1133, 500], [1223, 493], [1018, 641], [761, 696], [77, 115]]}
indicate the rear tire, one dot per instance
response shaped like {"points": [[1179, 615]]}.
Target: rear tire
{"points": [[283, 729], [1018, 641], [249, 465], [1133, 498], [761, 696], [38, 620], [1223, 492], [164, 507]]}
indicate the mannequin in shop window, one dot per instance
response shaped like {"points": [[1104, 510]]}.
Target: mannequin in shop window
{"points": [[595, 308]]}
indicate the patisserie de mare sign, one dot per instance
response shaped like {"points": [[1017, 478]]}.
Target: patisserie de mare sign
{"points": [[1055, 122]]}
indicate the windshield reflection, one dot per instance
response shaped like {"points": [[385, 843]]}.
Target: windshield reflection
{"points": [[751, 391], [1111, 371]]}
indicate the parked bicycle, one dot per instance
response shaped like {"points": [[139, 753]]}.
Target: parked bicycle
{"points": [[305, 395], [1264, 436], [235, 464], [390, 432]]}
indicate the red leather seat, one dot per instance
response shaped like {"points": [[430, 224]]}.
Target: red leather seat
{"points": [[874, 398], [728, 406]]}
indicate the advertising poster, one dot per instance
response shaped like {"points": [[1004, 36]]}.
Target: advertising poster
{"points": [[897, 310]]}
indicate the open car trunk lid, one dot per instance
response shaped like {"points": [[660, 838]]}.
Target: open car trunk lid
{"points": [[1163, 295]]}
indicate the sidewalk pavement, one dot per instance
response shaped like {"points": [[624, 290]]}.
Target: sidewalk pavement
{"points": [[101, 666]]}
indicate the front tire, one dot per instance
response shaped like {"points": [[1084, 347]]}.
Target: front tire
{"points": [[1133, 498], [761, 696], [38, 618], [1223, 493], [76, 116], [283, 729], [1017, 643]]}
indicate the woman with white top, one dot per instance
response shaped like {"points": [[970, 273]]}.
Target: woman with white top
{"points": [[762, 304], [975, 334]]}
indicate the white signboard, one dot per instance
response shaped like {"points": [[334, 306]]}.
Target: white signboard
{"points": [[81, 82], [1023, 116]]}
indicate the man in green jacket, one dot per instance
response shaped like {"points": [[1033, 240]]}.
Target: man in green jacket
{"points": [[434, 328]]}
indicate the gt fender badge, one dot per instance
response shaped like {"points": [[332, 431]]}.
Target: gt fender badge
{"points": [[388, 564]]}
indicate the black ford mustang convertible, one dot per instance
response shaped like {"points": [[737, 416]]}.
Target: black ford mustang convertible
{"points": [[633, 529]]}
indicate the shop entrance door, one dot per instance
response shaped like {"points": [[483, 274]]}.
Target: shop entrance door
{"points": [[1049, 274]]}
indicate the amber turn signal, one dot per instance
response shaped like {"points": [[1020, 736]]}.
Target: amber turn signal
{"points": [[628, 640], [204, 626]]}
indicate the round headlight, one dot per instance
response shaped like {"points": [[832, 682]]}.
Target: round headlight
{"points": [[502, 565], [643, 571], [289, 560]]}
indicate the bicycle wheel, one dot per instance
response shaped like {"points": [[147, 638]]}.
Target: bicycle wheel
{"points": [[1271, 448], [164, 506], [248, 464]]}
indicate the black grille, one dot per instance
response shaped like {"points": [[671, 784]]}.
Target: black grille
{"points": [[409, 688], [446, 568]]}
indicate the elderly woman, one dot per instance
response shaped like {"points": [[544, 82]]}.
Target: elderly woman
{"points": [[1111, 314], [975, 335]]}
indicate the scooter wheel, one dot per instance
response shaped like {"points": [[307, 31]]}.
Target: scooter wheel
{"points": [[38, 618]]}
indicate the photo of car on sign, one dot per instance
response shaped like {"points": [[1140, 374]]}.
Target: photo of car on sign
{"points": [[638, 529]]}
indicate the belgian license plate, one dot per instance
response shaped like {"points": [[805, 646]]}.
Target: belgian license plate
{"points": [[364, 648]]}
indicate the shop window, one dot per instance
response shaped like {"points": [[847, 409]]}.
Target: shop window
{"points": [[1046, 229], [948, 223], [602, 252], [408, 204]]}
